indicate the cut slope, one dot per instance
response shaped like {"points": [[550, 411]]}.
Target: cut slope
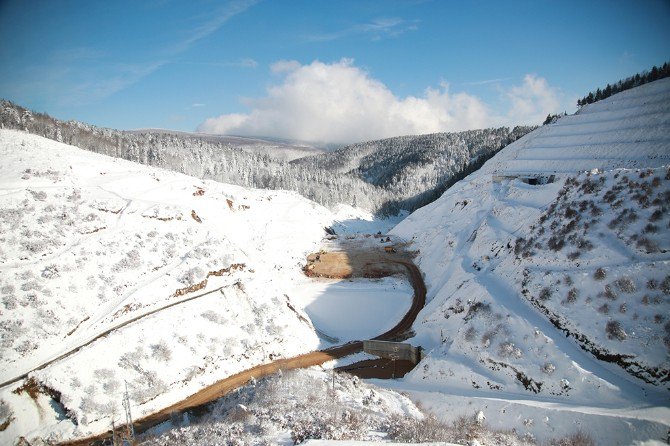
{"points": [[513, 268]]}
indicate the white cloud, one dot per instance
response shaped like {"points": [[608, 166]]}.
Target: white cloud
{"points": [[341, 103], [532, 101]]}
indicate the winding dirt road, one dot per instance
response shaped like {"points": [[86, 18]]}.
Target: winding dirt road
{"points": [[401, 331]]}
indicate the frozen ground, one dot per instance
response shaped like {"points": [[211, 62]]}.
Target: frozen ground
{"points": [[354, 309]]}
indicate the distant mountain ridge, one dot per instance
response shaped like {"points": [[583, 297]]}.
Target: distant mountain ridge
{"points": [[384, 176]]}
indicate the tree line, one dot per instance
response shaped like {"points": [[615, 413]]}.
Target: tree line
{"points": [[384, 176], [645, 77]]}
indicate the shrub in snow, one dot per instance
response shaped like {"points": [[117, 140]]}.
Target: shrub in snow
{"points": [[132, 359], [146, 387], [614, 330], [35, 246], [548, 368], [572, 295], [192, 276], [39, 195], [625, 285], [656, 215], [508, 350], [161, 352], [599, 274], [101, 374], [5, 413], [26, 347], [9, 301], [545, 293], [650, 228], [477, 308], [649, 246], [579, 438], [131, 261], [665, 285], [214, 317], [609, 293], [470, 334], [556, 243], [50, 272]]}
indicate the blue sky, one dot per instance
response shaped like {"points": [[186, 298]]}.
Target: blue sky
{"points": [[331, 71]]}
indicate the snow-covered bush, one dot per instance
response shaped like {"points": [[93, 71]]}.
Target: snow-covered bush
{"points": [[131, 261], [578, 438], [615, 331], [509, 350], [599, 274], [213, 316], [192, 276], [625, 285], [161, 352], [548, 368], [5, 414]]}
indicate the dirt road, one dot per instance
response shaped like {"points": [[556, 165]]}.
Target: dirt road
{"points": [[382, 263]]}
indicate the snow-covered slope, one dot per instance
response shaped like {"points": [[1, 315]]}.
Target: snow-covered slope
{"points": [[89, 243], [558, 292]]}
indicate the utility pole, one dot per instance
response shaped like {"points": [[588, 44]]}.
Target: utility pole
{"points": [[113, 432], [393, 356], [129, 416]]}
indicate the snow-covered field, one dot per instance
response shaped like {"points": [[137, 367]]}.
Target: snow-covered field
{"points": [[89, 243], [554, 299]]}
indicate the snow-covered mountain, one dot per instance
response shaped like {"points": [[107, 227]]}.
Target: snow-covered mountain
{"points": [[548, 273], [380, 176], [112, 271]]}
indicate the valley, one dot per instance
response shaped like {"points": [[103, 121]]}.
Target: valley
{"points": [[536, 286]]}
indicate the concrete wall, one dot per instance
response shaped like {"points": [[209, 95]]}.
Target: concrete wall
{"points": [[393, 350]]}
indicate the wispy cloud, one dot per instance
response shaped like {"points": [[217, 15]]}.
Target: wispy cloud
{"points": [[247, 62], [376, 29], [221, 16], [96, 86], [126, 76], [488, 81]]}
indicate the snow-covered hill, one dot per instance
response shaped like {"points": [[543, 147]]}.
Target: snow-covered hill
{"points": [[557, 293], [89, 243]]}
